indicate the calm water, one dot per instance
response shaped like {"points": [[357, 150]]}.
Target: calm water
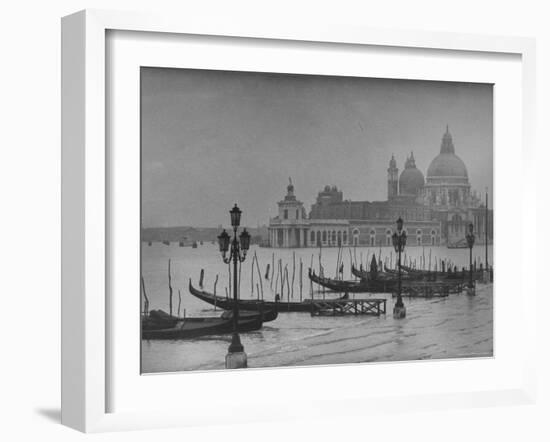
{"points": [[457, 326]]}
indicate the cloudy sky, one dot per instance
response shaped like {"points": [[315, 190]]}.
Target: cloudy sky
{"points": [[213, 138]]}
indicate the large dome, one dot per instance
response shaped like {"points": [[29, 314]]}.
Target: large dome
{"points": [[447, 164], [411, 179]]}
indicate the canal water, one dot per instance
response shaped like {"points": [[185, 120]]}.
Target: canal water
{"points": [[453, 327]]}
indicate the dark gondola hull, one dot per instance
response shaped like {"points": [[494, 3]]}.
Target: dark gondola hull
{"points": [[442, 276], [387, 275], [189, 329], [387, 286], [160, 325]]}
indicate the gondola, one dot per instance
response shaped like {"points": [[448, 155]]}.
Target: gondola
{"points": [[160, 325], [432, 275], [385, 286], [250, 304], [363, 286], [359, 273], [387, 275]]}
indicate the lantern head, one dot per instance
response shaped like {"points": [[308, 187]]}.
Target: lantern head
{"points": [[223, 241], [399, 224], [244, 238], [235, 213]]}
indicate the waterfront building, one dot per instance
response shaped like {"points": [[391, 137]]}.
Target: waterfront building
{"points": [[436, 210], [290, 227]]}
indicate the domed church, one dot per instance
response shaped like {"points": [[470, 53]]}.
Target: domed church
{"points": [[447, 183], [436, 210]]}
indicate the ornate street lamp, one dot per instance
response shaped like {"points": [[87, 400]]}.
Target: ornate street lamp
{"points": [[399, 240], [236, 357], [470, 238]]}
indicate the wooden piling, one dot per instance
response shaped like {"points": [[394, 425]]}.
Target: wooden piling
{"points": [[301, 278], [259, 275], [293, 274], [170, 287], [229, 279], [215, 284], [252, 277], [287, 283], [272, 271], [146, 303], [201, 279], [282, 277]]}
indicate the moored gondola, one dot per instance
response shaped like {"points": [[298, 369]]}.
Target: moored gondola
{"points": [[250, 304], [387, 285], [160, 325]]}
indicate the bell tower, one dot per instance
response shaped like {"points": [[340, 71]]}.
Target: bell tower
{"points": [[393, 173]]}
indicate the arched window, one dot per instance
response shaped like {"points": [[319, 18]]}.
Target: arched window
{"points": [[433, 237], [388, 237], [334, 237], [345, 237], [324, 236], [418, 236], [356, 237], [318, 238], [339, 236], [312, 237], [297, 214], [456, 223], [285, 214]]}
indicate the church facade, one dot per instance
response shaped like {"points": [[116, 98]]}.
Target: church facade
{"points": [[436, 210]]}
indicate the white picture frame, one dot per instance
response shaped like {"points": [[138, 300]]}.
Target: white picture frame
{"points": [[86, 209]]}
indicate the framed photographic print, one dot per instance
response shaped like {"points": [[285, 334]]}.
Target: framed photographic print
{"points": [[274, 209]]}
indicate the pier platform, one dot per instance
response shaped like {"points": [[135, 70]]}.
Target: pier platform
{"points": [[344, 307]]}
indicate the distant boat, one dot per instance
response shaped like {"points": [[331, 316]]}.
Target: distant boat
{"points": [[181, 243], [194, 244], [166, 243], [149, 243], [460, 244], [202, 243]]}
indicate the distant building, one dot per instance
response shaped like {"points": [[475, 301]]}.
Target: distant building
{"points": [[436, 211]]}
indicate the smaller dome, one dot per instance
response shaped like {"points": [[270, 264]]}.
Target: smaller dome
{"points": [[411, 182], [411, 179]]}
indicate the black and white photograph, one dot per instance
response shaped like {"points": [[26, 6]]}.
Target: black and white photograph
{"points": [[302, 220]]}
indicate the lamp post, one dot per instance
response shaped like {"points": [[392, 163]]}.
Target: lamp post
{"points": [[399, 240], [470, 238], [236, 357]]}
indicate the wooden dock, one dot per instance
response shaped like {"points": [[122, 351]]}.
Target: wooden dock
{"points": [[344, 307]]}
